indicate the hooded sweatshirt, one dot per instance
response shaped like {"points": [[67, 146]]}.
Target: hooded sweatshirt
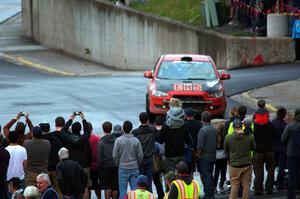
{"points": [[291, 136], [174, 139], [261, 116], [56, 144], [174, 118], [239, 147], [146, 135], [78, 145], [104, 152], [264, 136]]}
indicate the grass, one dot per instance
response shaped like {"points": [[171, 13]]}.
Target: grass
{"points": [[186, 11]]}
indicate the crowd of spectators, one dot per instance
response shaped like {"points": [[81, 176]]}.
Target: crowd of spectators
{"points": [[252, 14], [70, 161]]}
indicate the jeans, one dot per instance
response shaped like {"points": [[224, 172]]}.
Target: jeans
{"points": [[146, 168], [205, 169], [260, 159], [221, 167], [282, 160], [294, 167], [125, 176]]}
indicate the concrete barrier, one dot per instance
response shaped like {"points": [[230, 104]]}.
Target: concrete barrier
{"points": [[127, 39], [102, 32]]}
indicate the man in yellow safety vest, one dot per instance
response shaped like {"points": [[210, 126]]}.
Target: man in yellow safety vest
{"points": [[184, 187], [140, 192]]}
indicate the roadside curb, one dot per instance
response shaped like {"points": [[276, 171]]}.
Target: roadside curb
{"points": [[9, 18], [26, 62], [249, 100]]}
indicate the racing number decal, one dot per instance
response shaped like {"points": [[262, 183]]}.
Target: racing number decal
{"points": [[187, 87], [197, 87], [178, 87]]}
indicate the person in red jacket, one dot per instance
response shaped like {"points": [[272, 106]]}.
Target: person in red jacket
{"points": [[261, 116], [93, 168]]}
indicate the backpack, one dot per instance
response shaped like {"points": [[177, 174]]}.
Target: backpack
{"points": [[295, 139]]}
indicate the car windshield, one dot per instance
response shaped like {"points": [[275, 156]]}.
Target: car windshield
{"points": [[186, 70]]}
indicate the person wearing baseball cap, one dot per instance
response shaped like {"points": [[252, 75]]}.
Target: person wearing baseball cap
{"points": [[141, 189], [239, 146]]}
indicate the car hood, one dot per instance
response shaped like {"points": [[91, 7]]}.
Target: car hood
{"points": [[166, 85]]}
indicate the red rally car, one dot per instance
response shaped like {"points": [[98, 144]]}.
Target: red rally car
{"points": [[194, 79]]}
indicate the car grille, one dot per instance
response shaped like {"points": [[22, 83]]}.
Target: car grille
{"points": [[195, 102]]}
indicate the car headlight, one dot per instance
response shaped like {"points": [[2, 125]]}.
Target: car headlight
{"points": [[216, 94], [159, 93]]}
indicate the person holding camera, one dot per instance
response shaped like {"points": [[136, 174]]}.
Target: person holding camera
{"points": [[20, 128], [78, 145]]}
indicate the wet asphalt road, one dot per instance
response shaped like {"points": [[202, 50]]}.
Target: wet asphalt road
{"points": [[115, 98]]}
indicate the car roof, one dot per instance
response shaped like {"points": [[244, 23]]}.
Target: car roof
{"points": [[177, 57]]}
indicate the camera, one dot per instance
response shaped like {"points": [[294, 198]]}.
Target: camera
{"points": [[77, 113], [24, 114]]}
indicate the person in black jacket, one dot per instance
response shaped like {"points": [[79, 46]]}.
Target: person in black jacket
{"points": [[78, 145], [279, 124], [264, 137], [71, 178], [53, 158], [174, 135], [59, 124], [43, 184], [291, 137], [192, 126], [108, 172], [146, 135]]}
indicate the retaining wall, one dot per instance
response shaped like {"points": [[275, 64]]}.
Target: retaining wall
{"points": [[127, 39]]}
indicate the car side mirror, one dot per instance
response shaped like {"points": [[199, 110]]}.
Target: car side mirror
{"points": [[225, 76], [148, 74]]}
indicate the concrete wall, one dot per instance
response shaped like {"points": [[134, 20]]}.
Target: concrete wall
{"points": [[215, 45], [245, 51], [127, 39], [114, 36]]}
